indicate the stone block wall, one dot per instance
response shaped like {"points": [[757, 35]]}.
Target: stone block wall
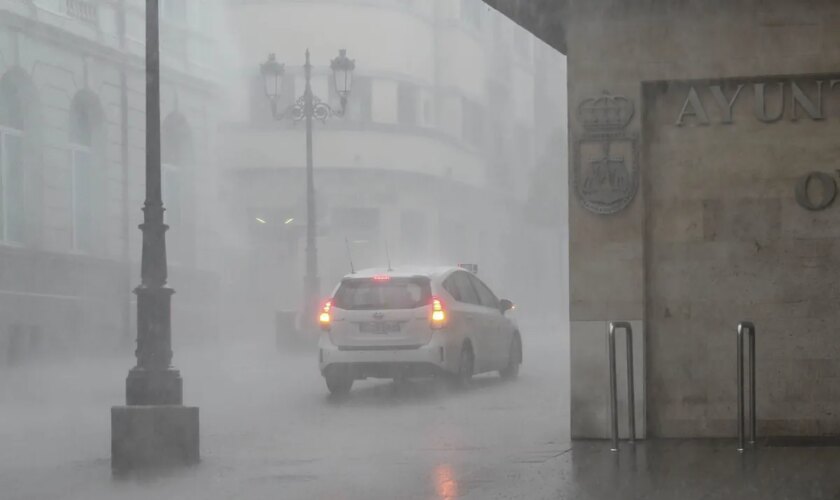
{"points": [[727, 241], [713, 235]]}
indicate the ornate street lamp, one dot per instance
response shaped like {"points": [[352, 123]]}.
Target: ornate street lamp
{"points": [[308, 107], [273, 72], [343, 68]]}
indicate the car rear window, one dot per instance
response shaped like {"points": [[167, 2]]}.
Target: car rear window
{"points": [[395, 293]]}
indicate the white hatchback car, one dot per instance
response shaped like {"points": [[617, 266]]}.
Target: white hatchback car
{"points": [[415, 322]]}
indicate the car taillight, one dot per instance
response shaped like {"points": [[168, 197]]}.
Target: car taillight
{"points": [[326, 317], [438, 313]]}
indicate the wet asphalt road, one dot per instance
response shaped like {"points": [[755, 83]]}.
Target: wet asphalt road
{"points": [[269, 430]]}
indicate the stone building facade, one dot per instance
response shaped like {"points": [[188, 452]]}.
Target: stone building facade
{"points": [[704, 171], [72, 121]]}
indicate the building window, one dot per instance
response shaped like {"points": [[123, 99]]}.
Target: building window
{"points": [[11, 179], [81, 175], [471, 12], [472, 122], [12, 200], [84, 172], [360, 101], [407, 104]]}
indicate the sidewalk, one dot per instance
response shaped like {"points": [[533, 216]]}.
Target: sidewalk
{"points": [[682, 470]]}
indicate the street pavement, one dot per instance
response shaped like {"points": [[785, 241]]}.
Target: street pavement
{"points": [[269, 430]]}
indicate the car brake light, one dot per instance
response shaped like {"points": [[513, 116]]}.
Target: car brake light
{"points": [[381, 277], [438, 313], [326, 318]]}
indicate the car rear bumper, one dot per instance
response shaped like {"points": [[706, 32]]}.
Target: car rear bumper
{"points": [[360, 370], [384, 362]]}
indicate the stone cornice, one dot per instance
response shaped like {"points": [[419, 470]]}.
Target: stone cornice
{"points": [[111, 54]]}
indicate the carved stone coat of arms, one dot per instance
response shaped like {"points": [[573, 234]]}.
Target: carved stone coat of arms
{"points": [[606, 170]]}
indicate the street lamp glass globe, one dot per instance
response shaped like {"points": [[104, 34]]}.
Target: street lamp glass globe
{"points": [[343, 68], [272, 72]]}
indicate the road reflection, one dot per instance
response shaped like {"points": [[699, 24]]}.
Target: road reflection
{"points": [[445, 484]]}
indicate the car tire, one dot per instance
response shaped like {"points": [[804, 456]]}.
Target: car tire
{"points": [[338, 383], [466, 367], [511, 371]]}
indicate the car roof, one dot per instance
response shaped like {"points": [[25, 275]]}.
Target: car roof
{"points": [[404, 272]]}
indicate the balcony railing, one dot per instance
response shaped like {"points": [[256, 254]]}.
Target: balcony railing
{"points": [[83, 10]]}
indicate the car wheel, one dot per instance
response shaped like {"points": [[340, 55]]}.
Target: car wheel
{"points": [[466, 367], [511, 371], [338, 383]]}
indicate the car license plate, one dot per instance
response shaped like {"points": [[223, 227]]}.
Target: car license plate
{"points": [[379, 327]]}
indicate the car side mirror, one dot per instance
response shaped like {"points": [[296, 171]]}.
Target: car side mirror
{"points": [[505, 305]]}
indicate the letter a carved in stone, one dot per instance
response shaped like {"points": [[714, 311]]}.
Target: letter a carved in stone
{"points": [[693, 107]]}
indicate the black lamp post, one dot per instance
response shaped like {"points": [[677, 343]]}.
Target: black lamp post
{"points": [[309, 107], [153, 428], [153, 381]]}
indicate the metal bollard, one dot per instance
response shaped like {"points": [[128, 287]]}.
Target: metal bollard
{"points": [[746, 326], [631, 396]]}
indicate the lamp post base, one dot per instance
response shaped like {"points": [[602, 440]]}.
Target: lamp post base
{"points": [[153, 437], [153, 387]]}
